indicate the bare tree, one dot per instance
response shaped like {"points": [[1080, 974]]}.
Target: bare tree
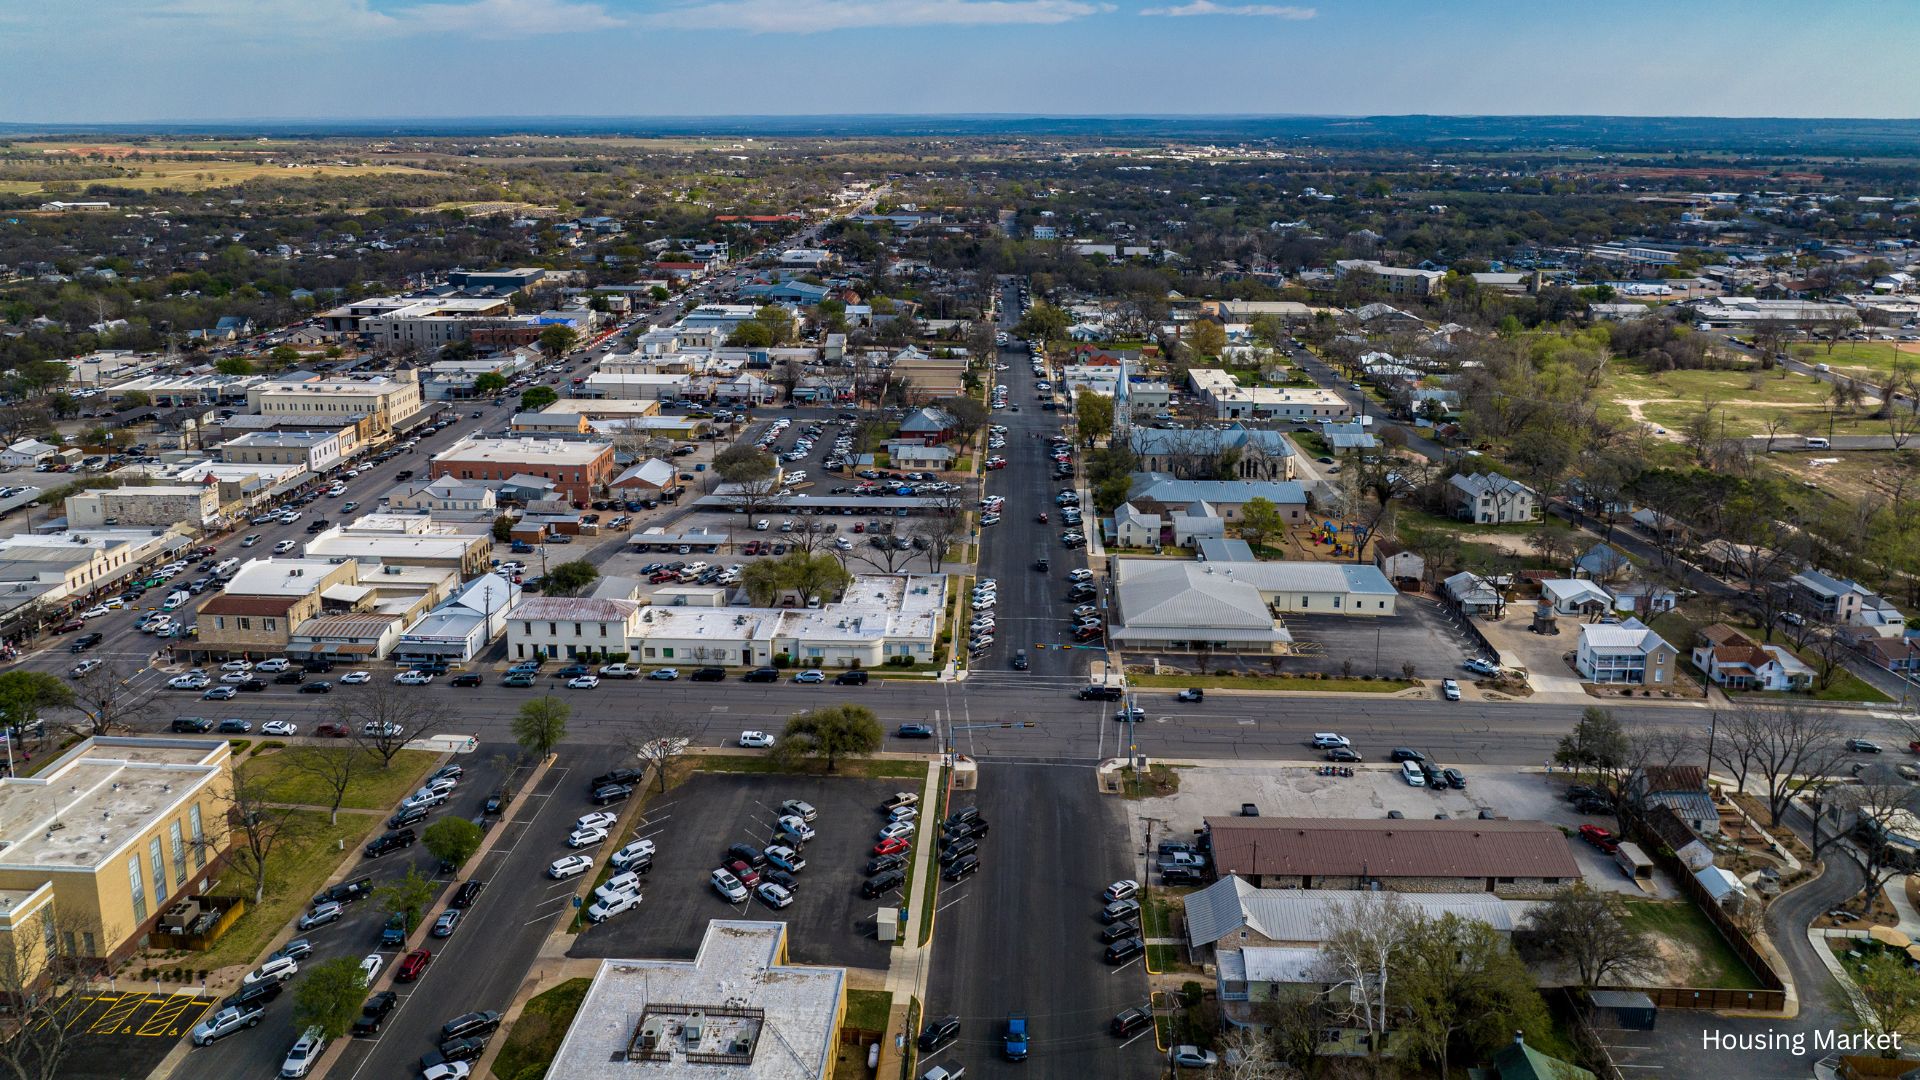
{"points": [[1363, 937], [41, 981], [335, 766], [1582, 926], [1789, 748], [656, 738], [1245, 1054], [258, 824], [382, 717], [107, 698]]}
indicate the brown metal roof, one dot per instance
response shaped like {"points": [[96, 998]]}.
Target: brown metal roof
{"points": [[248, 605], [1319, 847]]}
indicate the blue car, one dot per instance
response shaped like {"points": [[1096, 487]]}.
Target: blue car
{"points": [[1016, 1042], [915, 731]]}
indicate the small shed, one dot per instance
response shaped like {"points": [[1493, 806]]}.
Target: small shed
{"points": [[1729, 893], [1634, 861], [1628, 1009]]}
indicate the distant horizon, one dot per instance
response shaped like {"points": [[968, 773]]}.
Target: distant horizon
{"points": [[200, 62]]}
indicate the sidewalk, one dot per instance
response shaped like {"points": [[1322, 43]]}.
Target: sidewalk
{"points": [[912, 962]]}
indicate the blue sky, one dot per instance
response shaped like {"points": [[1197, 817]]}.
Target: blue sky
{"points": [[135, 60]]}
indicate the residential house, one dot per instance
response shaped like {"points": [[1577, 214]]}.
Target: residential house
{"points": [[1575, 596], [1681, 789], [1472, 593], [1195, 522], [1134, 528], [444, 494], [1846, 602], [931, 425], [1644, 598], [1602, 563], [1627, 652], [650, 478], [1734, 660], [1492, 499]]}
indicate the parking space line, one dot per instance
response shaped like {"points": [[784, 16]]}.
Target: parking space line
{"points": [[106, 1000], [167, 1016], [121, 1011], [1141, 1035], [1126, 965]]}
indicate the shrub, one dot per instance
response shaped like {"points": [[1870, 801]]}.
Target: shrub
{"points": [[781, 660], [270, 744]]}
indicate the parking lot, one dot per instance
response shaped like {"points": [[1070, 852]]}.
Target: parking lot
{"points": [[694, 824], [117, 1035]]}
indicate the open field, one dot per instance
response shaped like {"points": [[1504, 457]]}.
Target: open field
{"points": [[373, 788], [201, 175], [1850, 476], [1696, 954], [1744, 402], [1861, 356], [535, 1036]]}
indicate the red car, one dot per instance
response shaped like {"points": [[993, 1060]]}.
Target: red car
{"points": [[414, 966], [331, 731], [1600, 838], [70, 627], [895, 846], [748, 875]]}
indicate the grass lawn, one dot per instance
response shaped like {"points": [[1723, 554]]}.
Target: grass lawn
{"points": [[1868, 356], [1156, 915], [858, 768], [302, 861], [1268, 682], [1683, 630], [373, 789], [202, 174], [535, 1036], [1745, 404], [867, 1009], [1715, 965], [1163, 958], [1311, 443], [1160, 780]]}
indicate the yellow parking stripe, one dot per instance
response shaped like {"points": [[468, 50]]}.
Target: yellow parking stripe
{"points": [[105, 1000], [167, 1015], [117, 1015]]}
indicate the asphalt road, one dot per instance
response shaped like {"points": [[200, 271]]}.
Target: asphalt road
{"points": [[1033, 608], [481, 966], [259, 1052], [1054, 843]]}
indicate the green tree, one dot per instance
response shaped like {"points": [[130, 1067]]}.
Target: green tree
{"points": [[831, 733], [502, 529], [559, 340], [1885, 996], [660, 294], [1597, 743], [741, 464], [1092, 416], [541, 724], [24, 695], [811, 574], [411, 895], [1260, 519], [285, 354], [569, 578], [488, 383], [135, 399], [750, 334], [1044, 321], [329, 996], [233, 365], [1463, 989], [1207, 339], [535, 398], [452, 839]]}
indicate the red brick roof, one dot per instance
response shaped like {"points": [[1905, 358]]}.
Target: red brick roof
{"points": [[1319, 847]]}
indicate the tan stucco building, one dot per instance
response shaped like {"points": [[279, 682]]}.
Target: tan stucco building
{"points": [[100, 844]]}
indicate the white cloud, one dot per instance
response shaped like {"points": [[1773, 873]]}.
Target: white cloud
{"points": [[1208, 7], [347, 18], [816, 16], [507, 18]]}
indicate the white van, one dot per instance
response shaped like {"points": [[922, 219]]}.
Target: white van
{"points": [[1410, 772], [175, 600], [1815, 442]]}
